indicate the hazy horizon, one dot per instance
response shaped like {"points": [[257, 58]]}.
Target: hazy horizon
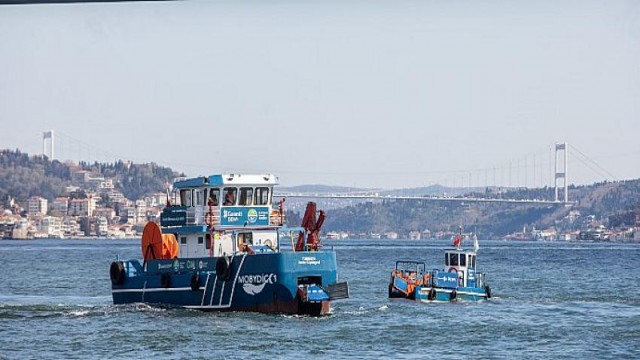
{"points": [[369, 94]]}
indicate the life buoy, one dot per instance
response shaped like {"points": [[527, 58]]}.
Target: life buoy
{"points": [[223, 268], [454, 270], [453, 295], [165, 280], [268, 244], [195, 281], [432, 294], [116, 273]]}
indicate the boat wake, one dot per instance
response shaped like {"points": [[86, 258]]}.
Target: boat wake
{"points": [[50, 311]]}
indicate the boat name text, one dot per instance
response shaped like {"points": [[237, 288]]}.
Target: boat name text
{"points": [[309, 260]]}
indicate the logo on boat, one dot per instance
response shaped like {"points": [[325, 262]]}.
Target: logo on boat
{"points": [[254, 284], [176, 265], [252, 215], [232, 216]]}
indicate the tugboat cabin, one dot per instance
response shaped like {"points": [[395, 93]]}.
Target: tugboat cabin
{"points": [[224, 214], [463, 263]]}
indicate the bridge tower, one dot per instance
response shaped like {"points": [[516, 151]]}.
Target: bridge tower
{"points": [[561, 173], [47, 135]]}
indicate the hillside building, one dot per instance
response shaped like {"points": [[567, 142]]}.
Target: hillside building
{"points": [[37, 205]]}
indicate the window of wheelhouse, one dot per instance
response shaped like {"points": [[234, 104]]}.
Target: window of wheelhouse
{"points": [[185, 197], [230, 196], [473, 261], [208, 241], [262, 196], [463, 259], [453, 259], [199, 197], [246, 196], [214, 197]]}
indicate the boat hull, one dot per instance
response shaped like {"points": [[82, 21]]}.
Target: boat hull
{"points": [[428, 294], [268, 283]]}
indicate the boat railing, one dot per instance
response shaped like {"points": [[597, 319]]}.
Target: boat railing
{"points": [[191, 216], [481, 279], [203, 218]]}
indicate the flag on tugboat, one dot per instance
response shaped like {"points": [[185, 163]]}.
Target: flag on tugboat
{"points": [[457, 241]]}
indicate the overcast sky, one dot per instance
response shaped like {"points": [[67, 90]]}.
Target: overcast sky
{"points": [[385, 94]]}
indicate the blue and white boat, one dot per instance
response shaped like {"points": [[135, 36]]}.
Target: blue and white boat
{"points": [[457, 280], [222, 246]]}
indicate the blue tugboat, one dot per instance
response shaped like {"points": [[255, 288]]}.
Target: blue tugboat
{"points": [[459, 278], [218, 248]]}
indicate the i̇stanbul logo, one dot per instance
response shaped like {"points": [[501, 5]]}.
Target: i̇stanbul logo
{"points": [[252, 215]]}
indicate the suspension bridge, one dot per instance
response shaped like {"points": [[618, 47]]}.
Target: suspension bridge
{"points": [[460, 199], [528, 171]]}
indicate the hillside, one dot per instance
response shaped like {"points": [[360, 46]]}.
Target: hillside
{"points": [[609, 203], [23, 176]]}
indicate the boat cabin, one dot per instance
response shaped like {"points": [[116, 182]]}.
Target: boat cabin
{"points": [[463, 263], [223, 215]]}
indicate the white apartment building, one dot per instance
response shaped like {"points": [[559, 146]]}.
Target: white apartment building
{"points": [[106, 185], [102, 226], [157, 199], [37, 205], [82, 207], [52, 226], [60, 205], [70, 226]]}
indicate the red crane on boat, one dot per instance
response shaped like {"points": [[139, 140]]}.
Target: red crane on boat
{"points": [[312, 228]]}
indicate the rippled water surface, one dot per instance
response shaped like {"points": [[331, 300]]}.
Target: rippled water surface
{"points": [[551, 300]]}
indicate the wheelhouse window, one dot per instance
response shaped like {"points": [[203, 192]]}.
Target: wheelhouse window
{"points": [[473, 261], [446, 259], [185, 197], [183, 240], [246, 196], [463, 260], [453, 259], [199, 197], [262, 196], [208, 241], [214, 197], [230, 196]]}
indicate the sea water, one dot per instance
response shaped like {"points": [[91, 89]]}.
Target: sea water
{"points": [[568, 300]]}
